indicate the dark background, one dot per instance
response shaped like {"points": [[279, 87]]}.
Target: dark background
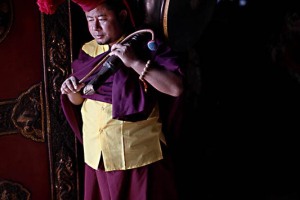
{"points": [[242, 123]]}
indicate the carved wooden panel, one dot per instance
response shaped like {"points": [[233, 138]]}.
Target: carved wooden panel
{"points": [[6, 18], [57, 53], [6, 124], [23, 154], [24, 115], [28, 114], [13, 191]]}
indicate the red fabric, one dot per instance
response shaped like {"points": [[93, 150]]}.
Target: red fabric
{"points": [[156, 181], [49, 6], [88, 5]]}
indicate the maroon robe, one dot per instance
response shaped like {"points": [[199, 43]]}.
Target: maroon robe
{"points": [[130, 102]]}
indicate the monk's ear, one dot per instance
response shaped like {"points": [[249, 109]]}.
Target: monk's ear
{"points": [[123, 15]]}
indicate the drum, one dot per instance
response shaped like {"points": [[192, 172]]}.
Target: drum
{"points": [[181, 22]]}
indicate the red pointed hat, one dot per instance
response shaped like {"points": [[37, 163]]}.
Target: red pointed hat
{"points": [[50, 6], [88, 5]]}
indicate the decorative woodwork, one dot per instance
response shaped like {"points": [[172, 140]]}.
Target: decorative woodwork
{"points": [[6, 18], [57, 53], [10, 190]]}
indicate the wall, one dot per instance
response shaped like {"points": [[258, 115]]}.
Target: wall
{"points": [[24, 164]]}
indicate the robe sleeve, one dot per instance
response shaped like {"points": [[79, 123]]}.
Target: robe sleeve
{"points": [[73, 116]]}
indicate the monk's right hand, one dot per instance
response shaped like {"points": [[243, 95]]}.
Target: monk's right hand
{"points": [[71, 85]]}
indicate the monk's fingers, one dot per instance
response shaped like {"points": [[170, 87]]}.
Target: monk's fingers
{"points": [[69, 85]]}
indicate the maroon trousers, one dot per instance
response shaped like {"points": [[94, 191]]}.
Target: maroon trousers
{"points": [[152, 182]]}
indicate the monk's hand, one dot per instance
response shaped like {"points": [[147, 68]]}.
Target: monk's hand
{"points": [[124, 52], [71, 85]]}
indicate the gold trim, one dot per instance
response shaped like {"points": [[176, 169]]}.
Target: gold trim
{"points": [[165, 18]]}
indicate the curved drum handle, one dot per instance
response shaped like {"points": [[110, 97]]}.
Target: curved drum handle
{"points": [[151, 45]]}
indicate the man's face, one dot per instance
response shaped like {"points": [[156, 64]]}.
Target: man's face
{"points": [[104, 25]]}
